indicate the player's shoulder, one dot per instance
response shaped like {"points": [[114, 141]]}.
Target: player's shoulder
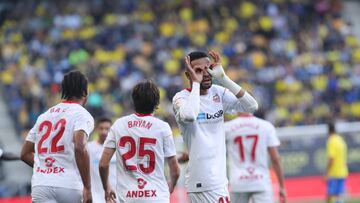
{"points": [[217, 89], [182, 93]]}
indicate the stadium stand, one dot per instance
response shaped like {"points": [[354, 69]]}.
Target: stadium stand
{"points": [[299, 58]]}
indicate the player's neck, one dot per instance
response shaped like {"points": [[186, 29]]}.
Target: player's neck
{"points": [[203, 92], [75, 101]]}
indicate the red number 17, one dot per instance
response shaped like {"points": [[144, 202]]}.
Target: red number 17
{"points": [[239, 140]]}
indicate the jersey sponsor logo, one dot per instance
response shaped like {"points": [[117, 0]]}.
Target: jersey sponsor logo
{"points": [[206, 116], [49, 163], [141, 193], [141, 183], [251, 175]]}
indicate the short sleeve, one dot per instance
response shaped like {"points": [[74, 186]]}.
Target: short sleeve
{"points": [[84, 121], [168, 143], [31, 137], [331, 148], [273, 140], [110, 141]]}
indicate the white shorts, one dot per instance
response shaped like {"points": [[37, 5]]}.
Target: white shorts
{"points": [[220, 195], [48, 194], [255, 197]]}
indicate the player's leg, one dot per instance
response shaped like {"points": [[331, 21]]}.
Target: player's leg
{"points": [[260, 197], [331, 190], [65, 195], [43, 194], [340, 190], [243, 197], [220, 195]]}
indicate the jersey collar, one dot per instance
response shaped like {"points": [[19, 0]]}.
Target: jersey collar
{"points": [[70, 102], [142, 115]]}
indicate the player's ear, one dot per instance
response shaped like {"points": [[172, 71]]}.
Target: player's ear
{"points": [[187, 74]]}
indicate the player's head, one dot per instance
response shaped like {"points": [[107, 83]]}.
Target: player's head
{"points": [[102, 128], [146, 97], [200, 61], [74, 87], [331, 128], [260, 113]]}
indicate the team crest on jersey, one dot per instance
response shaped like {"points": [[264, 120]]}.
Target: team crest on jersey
{"points": [[141, 183], [216, 98], [49, 161], [250, 170]]}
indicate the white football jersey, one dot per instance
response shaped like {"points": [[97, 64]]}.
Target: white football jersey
{"points": [[205, 138], [142, 143], [95, 150], [52, 134], [248, 139]]}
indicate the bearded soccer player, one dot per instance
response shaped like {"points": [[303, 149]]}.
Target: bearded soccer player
{"points": [[249, 141], [96, 148], [199, 113], [142, 144], [56, 147]]}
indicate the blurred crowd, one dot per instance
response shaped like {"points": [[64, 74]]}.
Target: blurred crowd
{"points": [[300, 59]]}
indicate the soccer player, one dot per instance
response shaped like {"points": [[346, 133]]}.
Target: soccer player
{"points": [[142, 144], [95, 149], [249, 141], [199, 112], [336, 170], [56, 147]]}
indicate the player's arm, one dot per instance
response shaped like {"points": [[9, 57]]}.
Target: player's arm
{"points": [[174, 172], [276, 164], [246, 102], [27, 153], [104, 173], [187, 109], [331, 153], [82, 160], [8, 156], [183, 157]]}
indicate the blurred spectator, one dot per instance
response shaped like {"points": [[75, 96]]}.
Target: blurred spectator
{"points": [[299, 58]]}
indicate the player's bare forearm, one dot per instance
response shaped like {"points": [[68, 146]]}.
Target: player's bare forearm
{"points": [[104, 166], [10, 157], [27, 153], [174, 172], [276, 163], [82, 158], [184, 157]]}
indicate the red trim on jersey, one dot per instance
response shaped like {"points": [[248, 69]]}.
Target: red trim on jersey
{"points": [[245, 115], [142, 115], [188, 89], [71, 102]]}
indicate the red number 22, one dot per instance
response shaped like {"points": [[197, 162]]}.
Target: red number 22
{"points": [[45, 129]]}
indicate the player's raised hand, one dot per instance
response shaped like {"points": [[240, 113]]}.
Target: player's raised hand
{"points": [[87, 195], [216, 70], [282, 195], [216, 57], [196, 76], [110, 195]]}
